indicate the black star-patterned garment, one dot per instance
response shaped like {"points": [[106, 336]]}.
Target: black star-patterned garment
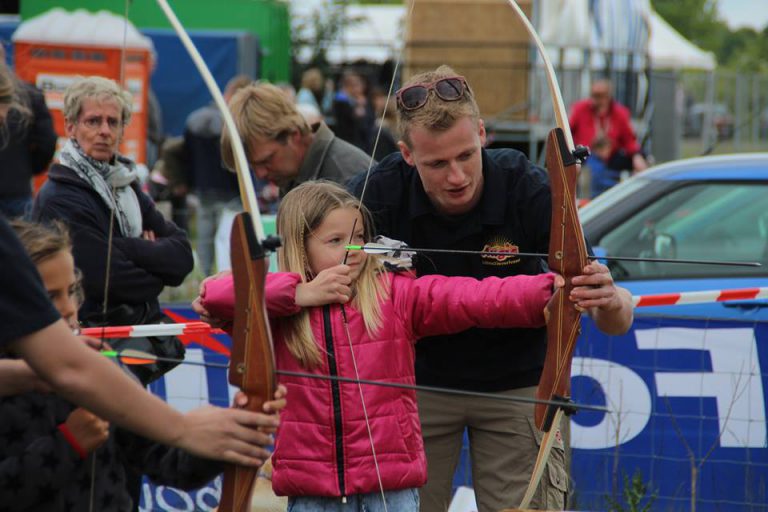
{"points": [[40, 471]]}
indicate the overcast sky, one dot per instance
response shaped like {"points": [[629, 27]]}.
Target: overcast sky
{"points": [[744, 13]]}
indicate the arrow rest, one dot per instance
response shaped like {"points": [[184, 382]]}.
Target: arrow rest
{"points": [[567, 406], [272, 243], [581, 153]]}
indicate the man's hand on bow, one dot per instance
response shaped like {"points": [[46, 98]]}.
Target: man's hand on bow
{"points": [[610, 306]]}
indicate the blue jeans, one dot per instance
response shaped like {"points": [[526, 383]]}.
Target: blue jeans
{"points": [[405, 500]]}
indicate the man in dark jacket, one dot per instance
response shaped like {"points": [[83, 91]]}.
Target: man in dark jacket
{"points": [[444, 190]]}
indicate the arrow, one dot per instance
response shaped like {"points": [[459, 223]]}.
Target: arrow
{"points": [[373, 248]]}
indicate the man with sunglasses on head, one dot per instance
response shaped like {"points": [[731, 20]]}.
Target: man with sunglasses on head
{"points": [[444, 190]]}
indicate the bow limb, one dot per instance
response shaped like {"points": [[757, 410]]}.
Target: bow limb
{"points": [[567, 256], [252, 365]]}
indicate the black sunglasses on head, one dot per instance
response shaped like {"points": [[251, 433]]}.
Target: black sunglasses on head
{"points": [[415, 96]]}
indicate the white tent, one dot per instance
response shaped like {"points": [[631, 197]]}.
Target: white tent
{"points": [[670, 50]]}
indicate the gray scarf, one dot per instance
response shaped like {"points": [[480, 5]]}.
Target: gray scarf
{"points": [[111, 181]]}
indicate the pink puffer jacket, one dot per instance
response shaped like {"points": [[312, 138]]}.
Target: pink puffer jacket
{"points": [[323, 447]]}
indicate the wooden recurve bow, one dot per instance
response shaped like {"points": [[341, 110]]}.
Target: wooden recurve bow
{"points": [[252, 364], [567, 257]]}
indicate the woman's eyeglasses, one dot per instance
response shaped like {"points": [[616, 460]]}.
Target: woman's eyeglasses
{"points": [[95, 122], [415, 96]]}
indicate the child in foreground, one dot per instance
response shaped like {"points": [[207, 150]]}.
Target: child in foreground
{"points": [[48, 443], [338, 313]]}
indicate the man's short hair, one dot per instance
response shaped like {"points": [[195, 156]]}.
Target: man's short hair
{"points": [[261, 112], [436, 114]]}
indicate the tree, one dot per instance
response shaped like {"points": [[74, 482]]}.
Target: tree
{"points": [[698, 20]]}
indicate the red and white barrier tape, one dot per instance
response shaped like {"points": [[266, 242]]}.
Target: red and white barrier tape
{"points": [[678, 299], [135, 331]]}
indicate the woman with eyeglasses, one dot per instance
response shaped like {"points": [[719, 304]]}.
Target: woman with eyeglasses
{"points": [[445, 190], [97, 193]]}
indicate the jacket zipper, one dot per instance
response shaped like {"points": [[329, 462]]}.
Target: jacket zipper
{"points": [[336, 393]]}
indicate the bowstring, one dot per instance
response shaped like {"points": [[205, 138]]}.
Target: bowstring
{"points": [[371, 161], [398, 61]]}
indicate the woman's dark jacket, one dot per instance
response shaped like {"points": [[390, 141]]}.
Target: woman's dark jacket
{"points": [[138, 269]]}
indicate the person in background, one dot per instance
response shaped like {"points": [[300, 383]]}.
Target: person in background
{"points": [[27, 143], [216, 188], [168, 181], [601, 178], [96, 192], [281, 146], [601, 116], [315, 91], [386, 125], [353, 111]]}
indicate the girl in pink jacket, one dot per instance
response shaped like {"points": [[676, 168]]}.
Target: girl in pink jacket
{"points": [[350, 446]]}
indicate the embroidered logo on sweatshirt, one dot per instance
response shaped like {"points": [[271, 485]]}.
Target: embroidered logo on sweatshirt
{"points": [[500, 245]]}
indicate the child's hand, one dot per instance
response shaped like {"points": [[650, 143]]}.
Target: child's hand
{"points": [[197, 304], [89, 430], [558, 284], [270, 407], [331, 286]]}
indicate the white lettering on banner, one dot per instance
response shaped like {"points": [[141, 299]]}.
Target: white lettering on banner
{"points": [[197, 501], [160, 492], [627, 398], [735, 381]]}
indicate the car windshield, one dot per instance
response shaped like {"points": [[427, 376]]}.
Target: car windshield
{"points": [[713, 221]]}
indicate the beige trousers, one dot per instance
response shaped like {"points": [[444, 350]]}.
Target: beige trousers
{"points": [[503, 442]]}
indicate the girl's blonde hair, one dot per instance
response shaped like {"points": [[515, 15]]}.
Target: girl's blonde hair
{"points": [[302, 210]]}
